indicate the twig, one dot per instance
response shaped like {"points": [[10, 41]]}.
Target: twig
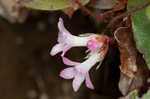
{"points": [[115, 19], [86, 9], [126, 14], [100, 17]]}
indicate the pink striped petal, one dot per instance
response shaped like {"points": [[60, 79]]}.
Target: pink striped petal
{"points": [[88, 81], [65, 49], [63, 32], [78, 80], [56, 49], [67, 73], [69, 62], [61, 26]]}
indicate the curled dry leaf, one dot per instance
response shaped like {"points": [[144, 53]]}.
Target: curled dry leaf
{"points": [[12, 11], [139, 83], [125, 83], [128, 52], [134, 71]]}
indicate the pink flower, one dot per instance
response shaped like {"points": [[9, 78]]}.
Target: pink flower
{"points": [[97, 46], [80, 71], [66, 40]]}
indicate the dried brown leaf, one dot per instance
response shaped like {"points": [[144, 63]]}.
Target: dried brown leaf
{"points": [[134, 71], [125, 83], [128, 51]]}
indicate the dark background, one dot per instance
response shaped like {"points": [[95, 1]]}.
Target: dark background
{"points": [[27, 71]]}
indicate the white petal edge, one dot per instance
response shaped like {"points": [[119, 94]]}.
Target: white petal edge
{"points": [[69, 62], [78, 80], [88, 82], [67, 73], [56, 49]]}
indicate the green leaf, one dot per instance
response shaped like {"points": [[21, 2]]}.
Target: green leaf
{"points": [[148, 12], [133, 95], [147, 95], [50, 4], [141, 29]]}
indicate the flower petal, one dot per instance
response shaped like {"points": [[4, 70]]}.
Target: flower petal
{"points": [[61, 26], [63, 32], [56, 49], [65, 49], [78, 80], [88, 81], [85, 66], [69, 62], [67, 73]]}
